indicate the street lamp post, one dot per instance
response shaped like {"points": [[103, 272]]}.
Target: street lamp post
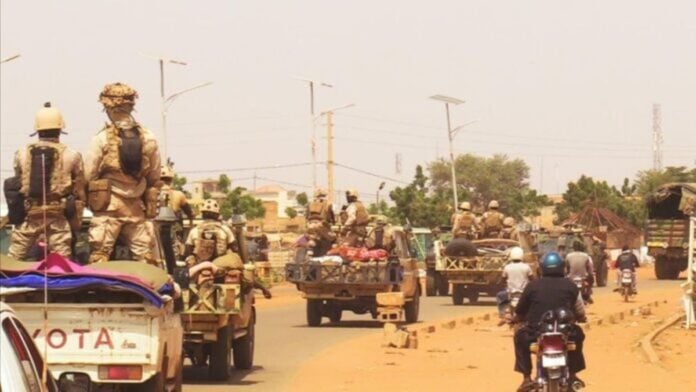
{"points": [[162, 60], [311, 83], [381, 186], [166, 103], [329, 148], [6, 59], [450, 136]]}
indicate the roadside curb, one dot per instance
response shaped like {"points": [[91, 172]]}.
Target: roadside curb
{"points": [[646, 342], [452, 323]]}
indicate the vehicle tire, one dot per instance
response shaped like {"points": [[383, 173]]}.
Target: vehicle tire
{"points": [[412, 308], [472, 296], [220, 361], [431, 286], [553, 386], [458, 294], [314, 312], [661, 268], [442, 285], [243, 348], [335, 314], [673, 271], [460, 247], [626, 294]]}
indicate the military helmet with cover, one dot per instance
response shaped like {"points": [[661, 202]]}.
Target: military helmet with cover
{"points": [[48, 118], [167, 172], [465, 205], [509, 221], [493, 205], [320, 192], [118, 94], [352, 192], [210, 205]]}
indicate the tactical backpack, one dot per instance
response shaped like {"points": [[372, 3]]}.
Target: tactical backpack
{"points": [[16, 213]]}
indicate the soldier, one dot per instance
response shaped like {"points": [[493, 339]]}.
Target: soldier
{"points": [[381, 236], [211, 244], [320, 217], [123, 174], [464, 224], [52, 183], [354, 227], [509, 230], [175, 198], [492, 220]]}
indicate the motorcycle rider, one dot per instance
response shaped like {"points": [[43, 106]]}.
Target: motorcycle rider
{"points": [[516, 274], [579, 265], [626, 261], [550, 292]]}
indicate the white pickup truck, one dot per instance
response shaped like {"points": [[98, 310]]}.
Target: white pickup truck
{"points": [[98, 339]]}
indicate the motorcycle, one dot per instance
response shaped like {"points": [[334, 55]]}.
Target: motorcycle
{"points": [[513, 300], [626, 284], [551, 349], [584, 288]]}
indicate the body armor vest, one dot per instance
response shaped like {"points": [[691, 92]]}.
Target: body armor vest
{"points": [[361, 215], [126, 154], [466, 220], [211, 241], [494, 220], [318, 210], [45, 158]]}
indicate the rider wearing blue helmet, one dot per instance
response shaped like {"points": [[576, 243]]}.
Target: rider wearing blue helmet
{"points": [[552, 291]]}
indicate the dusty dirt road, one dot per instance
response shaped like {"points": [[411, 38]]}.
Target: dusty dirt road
{"points": [[284, 342], [347, 357], [479, 357]]}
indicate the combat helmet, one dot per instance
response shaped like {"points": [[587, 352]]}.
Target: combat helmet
{"points": [[210, 205], [48, 118], [118, 94], [320, 192], [352, 192], [493, 205], [509, 221], [465, 205]]}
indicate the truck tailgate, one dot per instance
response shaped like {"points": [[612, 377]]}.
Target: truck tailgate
{"points": [[92, 333]]}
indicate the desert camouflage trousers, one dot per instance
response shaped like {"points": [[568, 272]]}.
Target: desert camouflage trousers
{"points": [[127, 222], [58, 236]]}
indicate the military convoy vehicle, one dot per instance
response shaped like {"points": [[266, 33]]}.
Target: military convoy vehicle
{"points": [[219, 315], [475, 268], [386, 289], [667, 227]]}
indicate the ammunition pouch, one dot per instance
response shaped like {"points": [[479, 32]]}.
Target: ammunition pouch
{"points": [[99, 195], [151, 199], [73, 212], [16, 213]]}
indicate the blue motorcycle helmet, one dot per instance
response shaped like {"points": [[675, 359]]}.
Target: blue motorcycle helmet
{"points": [[552, 264]]}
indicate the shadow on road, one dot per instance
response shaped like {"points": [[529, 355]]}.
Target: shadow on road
{"points": [[198, 375]]}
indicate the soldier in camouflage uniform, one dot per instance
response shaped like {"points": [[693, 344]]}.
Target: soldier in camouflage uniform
{"points": [[48, 171], [492, 221], [211, 244], [464, 222], [123, 174], [174, 198], [320, 217], [355, 226], [509, 230]]}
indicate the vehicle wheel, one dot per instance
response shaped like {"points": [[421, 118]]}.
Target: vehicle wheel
{"points": [[673, 271], [220, 360], [661, 268], [442, 285], [553, 386], [457, 294], [472, 296], [243, 348], [626, 294], [430, 283], [412, 308], [335, 314], [313, 312]]}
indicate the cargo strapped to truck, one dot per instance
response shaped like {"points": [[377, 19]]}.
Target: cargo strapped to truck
{"points": [[373, 272]]}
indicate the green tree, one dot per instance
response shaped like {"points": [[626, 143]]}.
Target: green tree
{"points": [[178, 183], [290, 212], [481, 179], [302, 199], [224, 183], [381, 208], [238, 202], [648, 180], [416, 204]]}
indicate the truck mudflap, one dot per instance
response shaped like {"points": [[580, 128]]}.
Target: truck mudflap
{"points": [[358, 272], [89, 338]]}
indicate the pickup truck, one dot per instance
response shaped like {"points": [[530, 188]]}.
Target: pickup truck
{"points": [[109, 326]]}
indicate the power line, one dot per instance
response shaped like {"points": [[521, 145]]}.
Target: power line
{"points": [[370, 174], [246, 168]]}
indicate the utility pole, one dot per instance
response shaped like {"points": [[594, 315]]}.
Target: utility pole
{"points": [[329, 155], [657, 137], [450, 136]]}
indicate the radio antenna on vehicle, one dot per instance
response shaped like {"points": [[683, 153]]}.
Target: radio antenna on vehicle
{"points": [[44, 368]]}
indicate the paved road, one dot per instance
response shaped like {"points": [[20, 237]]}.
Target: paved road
{"points": [[284, 341]]}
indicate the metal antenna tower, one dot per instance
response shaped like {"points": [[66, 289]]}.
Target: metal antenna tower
{"points": [[657, 137]]}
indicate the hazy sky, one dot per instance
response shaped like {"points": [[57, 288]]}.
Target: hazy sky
{"points": [[567, 86]]}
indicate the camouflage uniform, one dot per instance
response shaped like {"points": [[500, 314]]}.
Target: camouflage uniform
{"points": [[133, 180], [356, 223], [464, 225], [209, 240], [492, 221], [320, 217], [65, 177]]}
